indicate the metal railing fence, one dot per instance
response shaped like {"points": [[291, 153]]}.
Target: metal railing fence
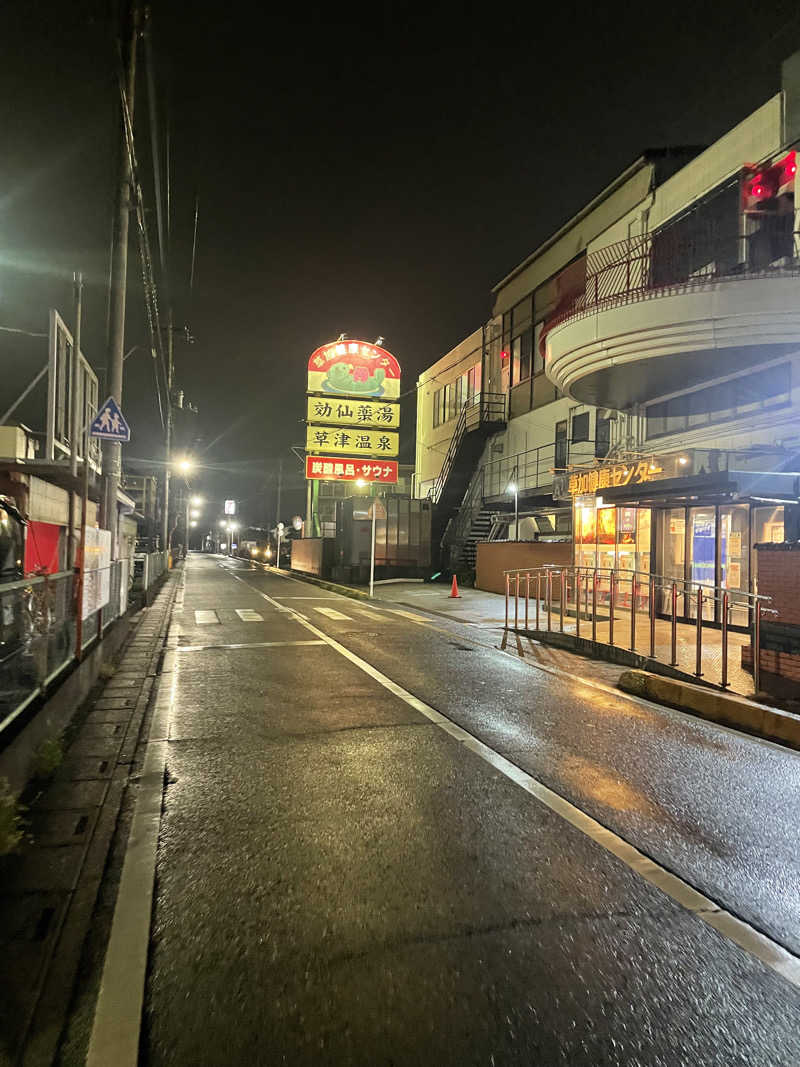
{"points": [[39, 627], [624, 608]]}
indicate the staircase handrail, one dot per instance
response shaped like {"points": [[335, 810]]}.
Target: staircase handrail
{"points": [[478, 409]]}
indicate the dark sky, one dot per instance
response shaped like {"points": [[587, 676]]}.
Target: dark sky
{"points": [[368, 169]]}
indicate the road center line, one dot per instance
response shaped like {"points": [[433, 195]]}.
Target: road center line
{"points": [[763, 948]]}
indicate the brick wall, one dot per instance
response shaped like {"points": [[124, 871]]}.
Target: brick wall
{"points": [[779, 578]]}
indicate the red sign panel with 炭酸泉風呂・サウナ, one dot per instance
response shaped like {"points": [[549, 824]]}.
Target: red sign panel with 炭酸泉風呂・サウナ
{"points": [[339, 469]]}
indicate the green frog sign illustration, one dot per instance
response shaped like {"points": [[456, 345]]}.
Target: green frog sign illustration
{"points": [[354, 368]]}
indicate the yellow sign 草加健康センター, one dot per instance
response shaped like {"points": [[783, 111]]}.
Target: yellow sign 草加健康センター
{"points": [[352, 442], [354, 369], [339, 411]]}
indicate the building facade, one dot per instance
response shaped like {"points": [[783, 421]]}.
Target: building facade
{"points": [[647, 357]]}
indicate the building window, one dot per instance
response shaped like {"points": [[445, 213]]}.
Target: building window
{"points": [[580, 427], [758, 391], [561, 445], [436, 409], [602, 437]]}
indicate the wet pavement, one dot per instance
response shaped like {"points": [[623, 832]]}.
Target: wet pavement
{"points": [[340, 881]]}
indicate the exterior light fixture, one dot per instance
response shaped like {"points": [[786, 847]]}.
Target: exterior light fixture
{"points": [[196, 501], [683, 460], [512, 487], [360, 483], [185, 465]]}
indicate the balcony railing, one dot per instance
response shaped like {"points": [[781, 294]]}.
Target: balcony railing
{"points": [[664, 263]]}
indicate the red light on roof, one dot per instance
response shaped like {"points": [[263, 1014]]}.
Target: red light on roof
{"points": [[504, 355]]}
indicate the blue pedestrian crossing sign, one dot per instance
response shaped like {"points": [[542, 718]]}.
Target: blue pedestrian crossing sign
{"points": [[109, 423]]}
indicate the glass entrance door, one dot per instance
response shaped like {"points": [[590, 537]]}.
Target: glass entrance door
{"points": [[734, 550], [702, 558]]}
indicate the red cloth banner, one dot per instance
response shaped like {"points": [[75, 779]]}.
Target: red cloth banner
{"points": [[42, 541]]}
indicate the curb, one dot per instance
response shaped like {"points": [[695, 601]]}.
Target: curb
{"points": [[344, 590], [770, 723]]}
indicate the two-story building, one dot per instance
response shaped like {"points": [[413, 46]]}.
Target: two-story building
{"points": [[638, 386]]}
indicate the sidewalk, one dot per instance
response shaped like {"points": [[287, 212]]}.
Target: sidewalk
{"points": [[50, 885], [488, 610]]}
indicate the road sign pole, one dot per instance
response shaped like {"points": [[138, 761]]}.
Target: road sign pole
{"points": [[82, 553], [372, 552]]}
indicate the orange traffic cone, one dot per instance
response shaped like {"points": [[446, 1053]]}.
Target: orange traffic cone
{"points": [[454, 593]]}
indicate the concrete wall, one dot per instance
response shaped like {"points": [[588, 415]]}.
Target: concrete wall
{"points": [[494, 557]]}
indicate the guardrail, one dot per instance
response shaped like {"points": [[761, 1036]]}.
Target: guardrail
{"points": [[620, 608], [40, 627]]}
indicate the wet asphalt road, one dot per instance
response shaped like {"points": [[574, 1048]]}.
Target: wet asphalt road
{"points": [[341, 882]]}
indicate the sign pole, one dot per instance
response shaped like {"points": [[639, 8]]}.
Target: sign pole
{"points": [[372, 552], [82, 553]]}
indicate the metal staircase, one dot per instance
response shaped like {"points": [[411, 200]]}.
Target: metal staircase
{"points": [[480, 417]]}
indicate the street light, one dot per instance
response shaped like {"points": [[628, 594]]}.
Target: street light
{"points": [[196, 501], [193, 522], [195, 513], [185, 465]]}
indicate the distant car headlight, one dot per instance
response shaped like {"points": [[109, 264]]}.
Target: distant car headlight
{"points": [[268, 553], [253, 551]]}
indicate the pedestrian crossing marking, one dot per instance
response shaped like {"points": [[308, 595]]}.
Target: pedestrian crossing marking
{"points": [[332, 613], [204, 618], [371, 614], [248, 615], [409, 615]]}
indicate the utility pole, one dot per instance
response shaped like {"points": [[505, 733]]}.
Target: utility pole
{"points": [[112, 450], [167, 435], [280, 482], [76, 420]]}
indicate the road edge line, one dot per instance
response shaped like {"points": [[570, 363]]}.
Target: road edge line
{"points": [[116, 1027], [747, 937]]}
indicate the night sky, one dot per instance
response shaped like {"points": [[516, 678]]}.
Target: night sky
{"points": [[369, 170]]}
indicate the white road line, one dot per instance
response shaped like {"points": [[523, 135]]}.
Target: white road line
{"points": [[248, 615], [760, 946], [310, 598], [118, 1011], [205, 618], [248, 644], [410, 615], [332, 613]]}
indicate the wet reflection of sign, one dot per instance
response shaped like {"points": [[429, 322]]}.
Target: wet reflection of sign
{"points": [[377, 443]]}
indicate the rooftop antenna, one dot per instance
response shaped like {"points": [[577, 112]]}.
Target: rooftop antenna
{"points": [[341, 337]]}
